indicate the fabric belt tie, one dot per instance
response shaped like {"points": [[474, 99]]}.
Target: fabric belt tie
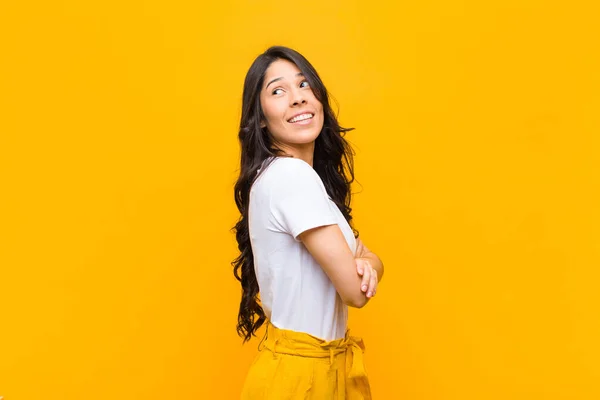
{"points": [[353, 346]]}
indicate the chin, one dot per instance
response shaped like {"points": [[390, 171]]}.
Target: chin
{"points": [[305, 139]]}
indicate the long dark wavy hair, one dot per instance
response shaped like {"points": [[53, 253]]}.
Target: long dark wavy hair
{"points": [[332, 160]]}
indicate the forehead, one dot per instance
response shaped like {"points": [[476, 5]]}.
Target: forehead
{"points": [[281, 68]]}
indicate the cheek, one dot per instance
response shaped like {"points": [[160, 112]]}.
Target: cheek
{"points": [[319, 108], [265, 109], [273, 111], [321, 114]]}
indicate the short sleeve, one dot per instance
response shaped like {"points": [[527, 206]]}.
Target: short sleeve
{"points": [[299, 201]]}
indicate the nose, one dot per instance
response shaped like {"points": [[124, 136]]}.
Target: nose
{"points": [[298, 97]]}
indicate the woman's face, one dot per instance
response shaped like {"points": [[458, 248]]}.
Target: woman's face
{"points": [[293, 115]]}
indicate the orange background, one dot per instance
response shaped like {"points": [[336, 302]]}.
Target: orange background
{"points": [[477, 155]]}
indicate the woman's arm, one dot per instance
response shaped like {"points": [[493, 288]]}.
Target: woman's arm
{"points": [[363, 251], [329, 248]]}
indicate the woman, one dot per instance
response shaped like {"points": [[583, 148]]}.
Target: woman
{"points": [[297, 247]]}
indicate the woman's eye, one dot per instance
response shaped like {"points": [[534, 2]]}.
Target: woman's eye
{"points": [[303, 84]]}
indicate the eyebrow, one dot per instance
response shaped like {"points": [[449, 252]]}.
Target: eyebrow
{"points": [[280, 78]]}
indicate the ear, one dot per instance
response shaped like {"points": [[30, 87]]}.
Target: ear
{"points": [[263, 124]]}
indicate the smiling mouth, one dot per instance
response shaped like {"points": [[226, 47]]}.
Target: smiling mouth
{"points": [[301, 117]]}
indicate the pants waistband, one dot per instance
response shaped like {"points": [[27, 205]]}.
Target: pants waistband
{"points": [[284, 341]]}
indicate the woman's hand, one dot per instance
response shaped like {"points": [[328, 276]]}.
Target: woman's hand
{"points": [[369, 276], [366, 270]]}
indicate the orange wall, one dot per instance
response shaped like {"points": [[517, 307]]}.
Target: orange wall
{"points": [[477, 149]]}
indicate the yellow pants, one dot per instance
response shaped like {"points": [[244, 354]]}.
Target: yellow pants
{"points": [[296, 365]]}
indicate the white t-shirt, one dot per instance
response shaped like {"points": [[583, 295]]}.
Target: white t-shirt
{"points": [[286, 199]]}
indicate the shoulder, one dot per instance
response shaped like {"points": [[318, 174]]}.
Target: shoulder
{"points": [[288, 170], [286, 176], [290, 163]]}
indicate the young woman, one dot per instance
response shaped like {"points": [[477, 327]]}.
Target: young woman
{"points": [[298, 250]]}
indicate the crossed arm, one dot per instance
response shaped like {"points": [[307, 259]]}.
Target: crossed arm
{"points": [[355, 277], [365, 258]]}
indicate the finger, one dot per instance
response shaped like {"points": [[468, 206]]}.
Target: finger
{"points": [[372, 284], [360, 268], [366, 278], [376, 285]]}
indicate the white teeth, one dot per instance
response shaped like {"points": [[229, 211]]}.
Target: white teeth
{"points": [[301, 117]]}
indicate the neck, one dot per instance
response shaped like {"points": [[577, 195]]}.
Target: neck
{"points": [[304, 152]]}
